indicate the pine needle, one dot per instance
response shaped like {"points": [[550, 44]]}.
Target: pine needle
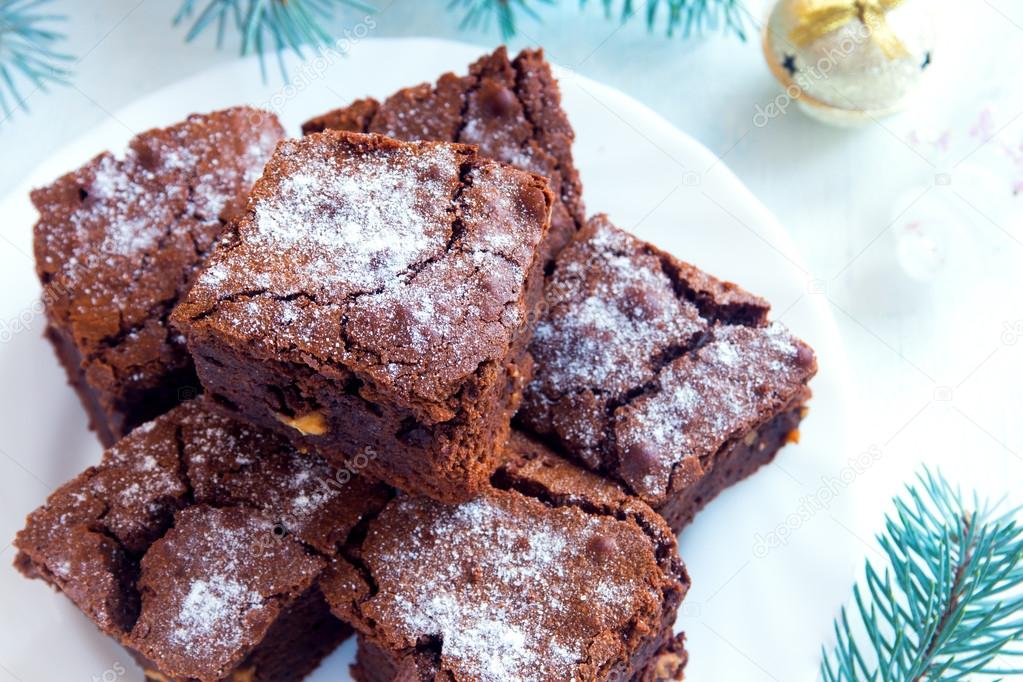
{"points": [[266, 25], [674, 17], [27, 57], [946, 602]]}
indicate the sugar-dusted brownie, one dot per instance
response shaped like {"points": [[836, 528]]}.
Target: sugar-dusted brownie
{"points": [[379, 294], [119, 240], [198, 544], [373, 664], [659, 375], [510, 108], [554, 573]]}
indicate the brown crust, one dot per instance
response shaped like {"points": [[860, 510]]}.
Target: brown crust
{"points": [[486, 541], [429, 412], [734, 462], [374, 664], [648, 370], [511, 109], [189, 519], [118, 242]]}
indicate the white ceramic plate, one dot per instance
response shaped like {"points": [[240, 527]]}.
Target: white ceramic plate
{"points": [[768, 575]]}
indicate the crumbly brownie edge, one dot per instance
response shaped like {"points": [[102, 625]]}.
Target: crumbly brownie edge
{"points": [[537, 93], [450, 461], [668, 664], [356, 117], [298, 641], [596, 497], [736, 461], [374, 664], [100, 421], [311, 398], [123, 360], [723, 308], [111, 557]]}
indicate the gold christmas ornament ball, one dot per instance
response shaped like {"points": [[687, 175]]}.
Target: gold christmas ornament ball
{"points": [[849, 61]]}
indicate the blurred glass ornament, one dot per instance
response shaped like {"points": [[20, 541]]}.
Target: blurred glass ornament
{"points": [[958, 230], [922, 247], [846, 62]]}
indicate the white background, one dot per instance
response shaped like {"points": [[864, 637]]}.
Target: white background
{"points": [[909, 227]]}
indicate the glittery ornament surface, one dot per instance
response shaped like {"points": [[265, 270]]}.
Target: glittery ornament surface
{"points": [[846, 70]]}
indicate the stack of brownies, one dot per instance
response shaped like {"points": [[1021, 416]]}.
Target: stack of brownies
{"points": [[386, 379]]}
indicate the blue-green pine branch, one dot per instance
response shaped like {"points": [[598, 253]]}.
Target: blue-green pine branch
{"points": [[27, 54], [674, 17], [265, 25], [947, 601], [278, 25]]}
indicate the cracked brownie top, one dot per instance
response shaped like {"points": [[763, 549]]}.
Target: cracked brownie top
{"points": [[119, 239], [643, 361], [524, 582], [192, 535], [403, 263], [511, 109]]}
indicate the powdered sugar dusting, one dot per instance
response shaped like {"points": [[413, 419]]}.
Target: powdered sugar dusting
{"points": [[705, 398], [408, 261], [211, 589], [504, 591], [610, 312], [127, 208], [612, 315], [186, 512], [211, 601], [363, 222], [128, 205], [208, 606]]}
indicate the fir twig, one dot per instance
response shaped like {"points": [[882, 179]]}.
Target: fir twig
{"points": [[480, 13], [684, 17], [266, 25], [687, 17], [949, 602], [26, 51]]}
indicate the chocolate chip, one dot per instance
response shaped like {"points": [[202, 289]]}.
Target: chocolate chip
{"points": [[497, 100], [642, 303], [148, 157], [640, 461], [601, 547], [805, 356], [642, 458], [436, 173]]}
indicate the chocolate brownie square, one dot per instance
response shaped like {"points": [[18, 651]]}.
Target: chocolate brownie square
{"points": [[118, 242], [377, 294], [510, 109], [525, 582], [198, 544], [658, 375]]}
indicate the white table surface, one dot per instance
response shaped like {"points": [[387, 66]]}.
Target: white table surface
{"points": [[909, 227]]}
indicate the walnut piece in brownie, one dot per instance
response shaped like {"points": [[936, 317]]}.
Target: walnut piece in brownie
{"points": [[652, 372], [198, 543], [511, 109], [377, 294], [119, 240], [521, 583]]}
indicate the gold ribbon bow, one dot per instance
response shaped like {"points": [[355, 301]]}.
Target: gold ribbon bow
{"points": [[817, 18]]}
